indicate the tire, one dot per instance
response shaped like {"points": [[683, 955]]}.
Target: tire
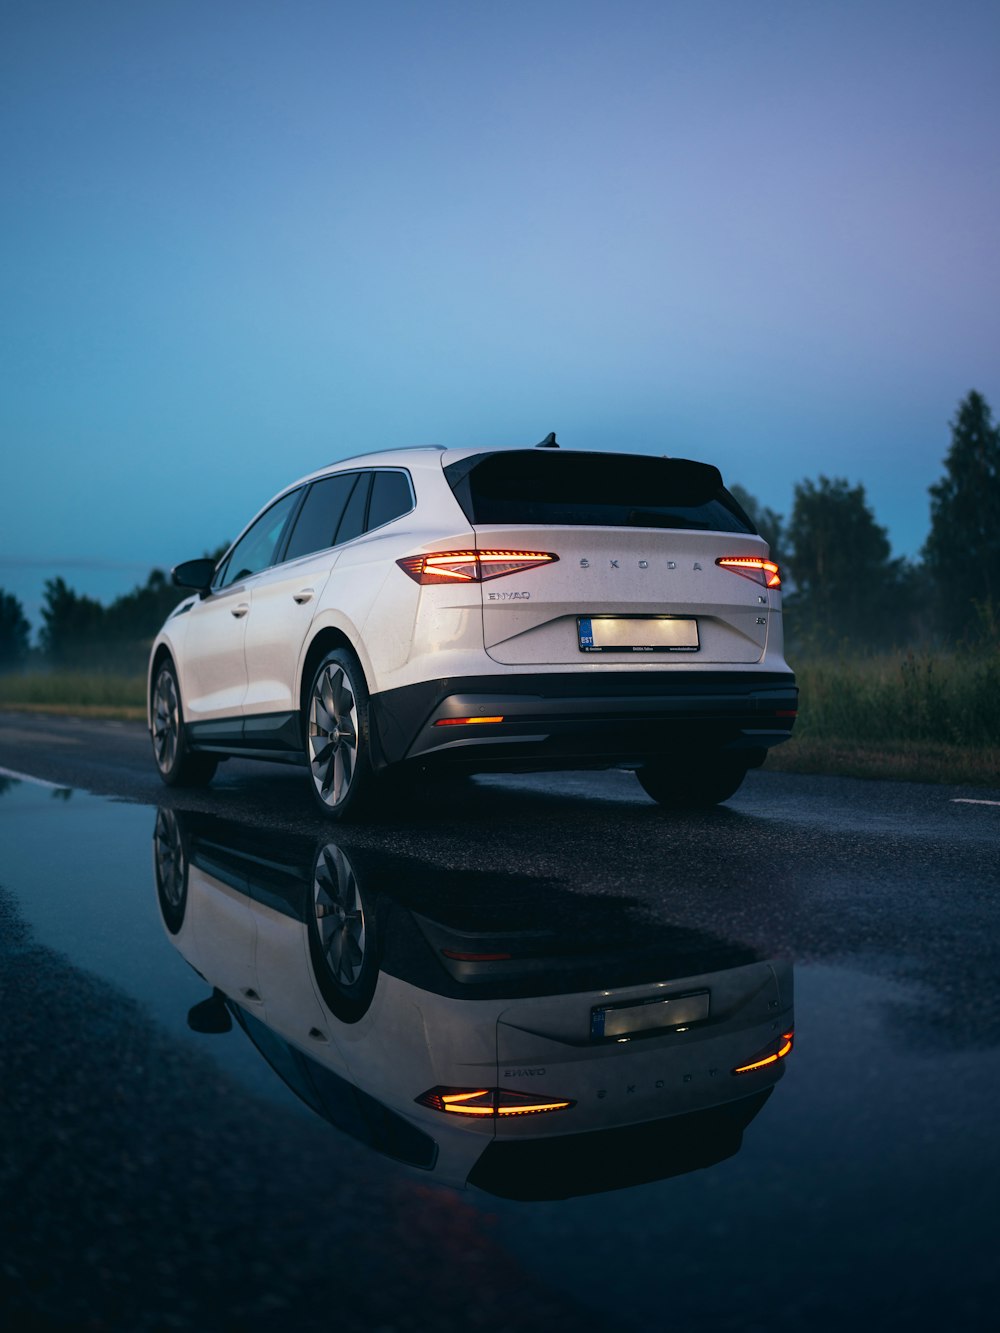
{"points": [[696, 788], [178, 766], [170, 869], [343, 936], [338, 738]]}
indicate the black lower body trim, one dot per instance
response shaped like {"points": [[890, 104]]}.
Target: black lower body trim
{"points": [[561, 720], [275, 736], [565, 720]]}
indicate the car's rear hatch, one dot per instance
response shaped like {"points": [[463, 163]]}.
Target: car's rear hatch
{"points": [[635, 579]]}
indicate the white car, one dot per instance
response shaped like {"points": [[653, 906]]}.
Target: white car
{"points": [[482, 610], [532, 1058]]}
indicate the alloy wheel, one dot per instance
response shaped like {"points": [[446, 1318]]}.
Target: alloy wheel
{"points": [[333, 735], [340, 916], [166, 720]]}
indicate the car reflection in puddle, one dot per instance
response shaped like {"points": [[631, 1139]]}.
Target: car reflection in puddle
{"points": [[504, 1033]]}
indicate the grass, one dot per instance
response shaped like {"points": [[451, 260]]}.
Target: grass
{"points": [[80, 693], [916, 718]]}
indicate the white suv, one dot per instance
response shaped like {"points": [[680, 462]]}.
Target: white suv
{"points": [[482, 611]]}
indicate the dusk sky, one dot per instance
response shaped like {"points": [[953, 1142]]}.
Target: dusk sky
{"points": [[244, 239]]}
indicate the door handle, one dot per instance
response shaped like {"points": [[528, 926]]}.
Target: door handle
{"points": [[303, 595], [241, 610]]}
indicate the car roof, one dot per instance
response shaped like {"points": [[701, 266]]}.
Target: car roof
{"points": [[439, 455]]}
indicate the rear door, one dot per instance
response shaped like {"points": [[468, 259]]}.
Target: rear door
{"points": [[635, 579], [286, 596]]}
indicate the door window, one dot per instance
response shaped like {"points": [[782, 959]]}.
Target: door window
{"points": [[256, 549]]}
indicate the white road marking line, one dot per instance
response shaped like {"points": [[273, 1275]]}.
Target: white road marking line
{"points": [[26, 777], [968, 800]]}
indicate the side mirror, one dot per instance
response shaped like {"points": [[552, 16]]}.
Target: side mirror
{"points": [[195, 574], [212, 1015]]}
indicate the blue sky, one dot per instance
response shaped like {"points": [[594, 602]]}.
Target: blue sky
{"points": [[243, 239]]}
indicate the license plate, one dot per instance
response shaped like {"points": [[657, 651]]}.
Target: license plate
{"points": [[640, 634], [615, 1022]]}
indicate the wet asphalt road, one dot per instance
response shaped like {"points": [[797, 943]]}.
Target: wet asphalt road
{"points": [[152, 1177]]}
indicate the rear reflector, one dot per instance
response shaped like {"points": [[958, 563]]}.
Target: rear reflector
{"points": [[495, 1102], [764, 572], [477, 957], [466, 721], [471, 566], [770, 1055]]}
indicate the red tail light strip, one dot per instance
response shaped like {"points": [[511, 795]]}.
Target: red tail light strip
{"points": [[471, 566], [770, 1055], [764, 572], [489, 1101]]}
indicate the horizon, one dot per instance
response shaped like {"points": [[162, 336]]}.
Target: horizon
{"points": [[244, 242]]}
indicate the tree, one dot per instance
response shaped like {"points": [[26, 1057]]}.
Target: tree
{"points": [[847, 587], [79, 631], [14, 631], [72, 627], [768, 523], [963, 549], [136, 616]]}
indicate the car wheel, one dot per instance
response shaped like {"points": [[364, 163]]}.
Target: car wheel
{"points": [[343, 938], [338, 743], [170, 869], [178, 766], [694, 788]]}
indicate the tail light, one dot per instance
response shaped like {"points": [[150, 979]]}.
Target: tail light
{"points": [[471, 566], [770, 1055], [764, 572], [494, 1102]]}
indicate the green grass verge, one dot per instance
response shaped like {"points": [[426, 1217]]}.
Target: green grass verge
{"points": [[910, 717], [84, 694], [950, 700]]}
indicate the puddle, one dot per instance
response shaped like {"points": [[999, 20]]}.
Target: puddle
{"points": [[435, 1028]]}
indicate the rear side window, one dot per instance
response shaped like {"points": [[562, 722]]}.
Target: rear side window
{"points": [[594, 490], [391, 497], [353, 522], [320, 515]]}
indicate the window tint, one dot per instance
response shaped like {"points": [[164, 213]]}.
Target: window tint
{"points": [[321, 512], [353, 522], [391, 497], [255, 549], [600, 490]]}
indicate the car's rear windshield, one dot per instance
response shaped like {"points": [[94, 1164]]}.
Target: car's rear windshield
{"points": [[600, 490]]}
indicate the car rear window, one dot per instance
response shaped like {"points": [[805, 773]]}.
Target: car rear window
{"points": [[594, 490]]}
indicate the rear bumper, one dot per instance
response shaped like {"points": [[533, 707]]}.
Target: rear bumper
{"points": [[567, 720]]}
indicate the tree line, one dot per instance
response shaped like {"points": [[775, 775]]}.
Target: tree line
{"points": [[78, 632], [843, 588]]}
